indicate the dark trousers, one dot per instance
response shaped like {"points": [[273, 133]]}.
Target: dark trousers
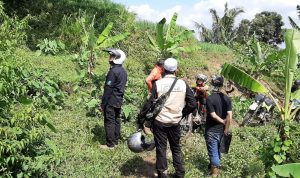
{"points": [[162, 134], [112, 125]]}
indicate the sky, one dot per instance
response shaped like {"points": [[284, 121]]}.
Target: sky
{"points": [[198, 10]]}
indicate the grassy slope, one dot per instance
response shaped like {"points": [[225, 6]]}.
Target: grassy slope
{"points": [[79, 136]]}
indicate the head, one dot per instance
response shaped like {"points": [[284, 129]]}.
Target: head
{"points": [[160, 62], [116, 56], [201, 79], [217, 82], [170, 66]]}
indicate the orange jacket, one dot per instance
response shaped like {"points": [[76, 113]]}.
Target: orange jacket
{"points": [[155, 74]]}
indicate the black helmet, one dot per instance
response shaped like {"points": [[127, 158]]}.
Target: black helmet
{"points": [[217, 81], [136, 143], [297, 82], [160, 62]]}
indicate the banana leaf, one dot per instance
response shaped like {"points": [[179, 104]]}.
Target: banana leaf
{"points": [[104, 35], [160, 39], [292, 42], [153, 43], [238, 76], [110, 41], [287, 170], [172, 26]]}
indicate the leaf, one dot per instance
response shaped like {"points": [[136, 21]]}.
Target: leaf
{"points": [[240, 77], [153, 43], [104, 34], [92, 103], [278, 158], [160, 39], [292, 42], [113, 40], [171, 27], [127, 110], [288, 170]]}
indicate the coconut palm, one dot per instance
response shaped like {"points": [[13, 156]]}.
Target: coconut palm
{"points": [[223, 30], [292, 22]]}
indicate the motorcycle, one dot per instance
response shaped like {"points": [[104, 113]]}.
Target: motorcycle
{"points": [[296, 104], [260, 111], [194, 121]]}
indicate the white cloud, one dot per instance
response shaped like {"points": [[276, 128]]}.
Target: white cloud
{"points": [[200, 11]]}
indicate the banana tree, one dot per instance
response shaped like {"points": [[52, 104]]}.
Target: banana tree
{"points": [[91, 43], [261, 59], [167, 44], [282, 142]]}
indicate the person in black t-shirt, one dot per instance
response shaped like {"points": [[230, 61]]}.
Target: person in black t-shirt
{"points": [[219, 109]]}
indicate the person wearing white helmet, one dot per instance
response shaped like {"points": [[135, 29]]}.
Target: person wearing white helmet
{"points": [[166, 126], [112, 98]]}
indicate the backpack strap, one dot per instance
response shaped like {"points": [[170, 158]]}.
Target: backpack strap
{"points": [[172, 86]]}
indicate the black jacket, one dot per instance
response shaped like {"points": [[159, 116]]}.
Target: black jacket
{"points": [[114, 87]]}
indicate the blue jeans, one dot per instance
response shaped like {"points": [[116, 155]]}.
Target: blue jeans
{"points": [[213, 140]]}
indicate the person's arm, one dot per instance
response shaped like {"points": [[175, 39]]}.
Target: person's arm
{"points": [[228, 122], [217, 118], [190, 102], [228, 116], [108, 88]]}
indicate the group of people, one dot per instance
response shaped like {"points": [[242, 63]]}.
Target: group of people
{"points": [[181, 102]]}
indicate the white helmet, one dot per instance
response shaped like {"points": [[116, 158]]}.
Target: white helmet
{"points": [[119, 55], [170, 64], [136, 143]]}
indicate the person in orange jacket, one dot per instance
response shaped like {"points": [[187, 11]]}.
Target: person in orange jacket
{"points": [[155, 74]]}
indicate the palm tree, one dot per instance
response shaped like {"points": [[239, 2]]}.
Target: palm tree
{"points": [[223, 30], [292, 22]]}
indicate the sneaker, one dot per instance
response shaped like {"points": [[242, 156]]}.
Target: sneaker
{"points": [[105, 147]]}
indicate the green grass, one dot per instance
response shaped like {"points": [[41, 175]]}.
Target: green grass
{"points": [[214, 48]]}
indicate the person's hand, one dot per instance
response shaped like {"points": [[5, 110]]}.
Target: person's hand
{"points": [[226, 131], [100, 108], [224, 122], [147, 131]]}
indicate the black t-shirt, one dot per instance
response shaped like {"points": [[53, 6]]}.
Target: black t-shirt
{"points": [[220, 104]]}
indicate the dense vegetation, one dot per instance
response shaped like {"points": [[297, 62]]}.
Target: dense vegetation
{"points": [[51, 77]]}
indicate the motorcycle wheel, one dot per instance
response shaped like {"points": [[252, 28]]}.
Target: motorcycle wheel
{"points": [[248, 118], [297, 117]]}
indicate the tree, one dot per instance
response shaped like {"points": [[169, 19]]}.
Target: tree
{"points": [[268, 27], [167, 44], [223, 30], [292, 22], [282, 142], [243, 31]]}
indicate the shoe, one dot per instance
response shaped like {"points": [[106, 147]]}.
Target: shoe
{"points": [[214, 171], [105, 147]]}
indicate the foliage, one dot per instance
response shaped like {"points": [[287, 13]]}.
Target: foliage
{"points": [[168, 44], [223, 30], [282, 142], [243, 31], [288, 170], [292, 22], [267, 27], [48, 18], [22, 145], [50, 47]]}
